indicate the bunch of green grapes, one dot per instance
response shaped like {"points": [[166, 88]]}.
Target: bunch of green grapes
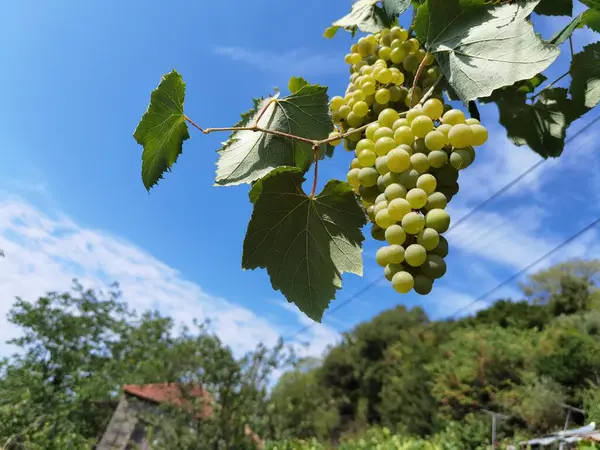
{"points": [[381, 66], [407, 159]]}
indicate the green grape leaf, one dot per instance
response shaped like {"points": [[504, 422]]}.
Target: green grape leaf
{"points": [[162, 129], [296, 83], [249, 155], [394, 8], [543, 125], [481, 47], [567, 31], [591, 19], [305, 243], [554, 8], [364, 15], [585, 74]]}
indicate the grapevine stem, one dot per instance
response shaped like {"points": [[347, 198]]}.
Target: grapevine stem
{"points": [[315, 143], [417, 76], [263, 111], [316, 172], [550, 85]]}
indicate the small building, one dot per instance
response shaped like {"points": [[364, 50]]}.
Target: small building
{"points": [[128, 431]]}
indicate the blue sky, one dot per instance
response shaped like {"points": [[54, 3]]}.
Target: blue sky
{"points": [[77, 79]]}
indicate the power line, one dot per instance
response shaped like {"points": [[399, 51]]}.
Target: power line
{"points": [[526, 268], [453, 226]]}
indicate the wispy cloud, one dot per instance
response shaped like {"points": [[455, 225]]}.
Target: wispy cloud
{"points": [[44, 252], [300, 62]]}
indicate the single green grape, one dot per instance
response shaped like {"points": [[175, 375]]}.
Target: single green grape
{"points": [[401, 122], [460, 135], [427, 183], [395, 254], [364, 47], [409, 178], [398, 160], [348, 58], [434, 140], [433, 108], [395, 190], [364, 144], [459, 160], [395, 235], [383, 96], [382, 132], [338, 141], [436, 200], [389, 178], [371, 213], [377, 232], [368, 176], [417, 197], [379, 206], [413, 222], [382, 257], [434, 266], [419, 146], [437, 158], [398, 54], [387, 117], [361, 109], [336, 103], [415, 255], [353, 177], [415, 44], [354, 120], [403, 282], [444, 129], [344, 111], [480, 134], [438, 219], [381, 165], [453, 117], [404, 135], [428, 238], [392, 269], [407, 148], [384, 145], [410, 63], [398, 208], [442, 248], [358, 95], [420, 163], [381, 198], [397, 93], [472, 121], [369, 88], [370, 131], [422, 284], [385, 52], [355, 58], [383, 219], [367, 158], [385, 76], [354, 136], [421, 125], [355, 164], [413, 113]]}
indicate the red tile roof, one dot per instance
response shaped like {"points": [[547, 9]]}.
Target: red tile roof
{"points": [[169, 393]]}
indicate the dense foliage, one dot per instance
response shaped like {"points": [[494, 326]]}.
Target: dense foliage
{"points": [[398, 381], [463, 51]]}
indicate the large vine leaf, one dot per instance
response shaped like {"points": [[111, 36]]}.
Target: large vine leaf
{"points": [[589, 18], [541, 125], [162, 129], [393, 8], [364, 15], [482, 47], [554, 8], [306, 244], [585, 74], [249, 155]]}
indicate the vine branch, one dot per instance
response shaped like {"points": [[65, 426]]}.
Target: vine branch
{"points": [[550, 85], [315, 143], [417, 76]]}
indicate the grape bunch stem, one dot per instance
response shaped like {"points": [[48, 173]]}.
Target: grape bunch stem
{"points": [[315, 143]]}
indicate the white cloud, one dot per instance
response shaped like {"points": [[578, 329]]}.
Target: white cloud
{"points": [[44, 253], [293, 62]]}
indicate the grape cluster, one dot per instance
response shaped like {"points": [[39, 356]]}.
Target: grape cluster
{"points": [[407, 159]]}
